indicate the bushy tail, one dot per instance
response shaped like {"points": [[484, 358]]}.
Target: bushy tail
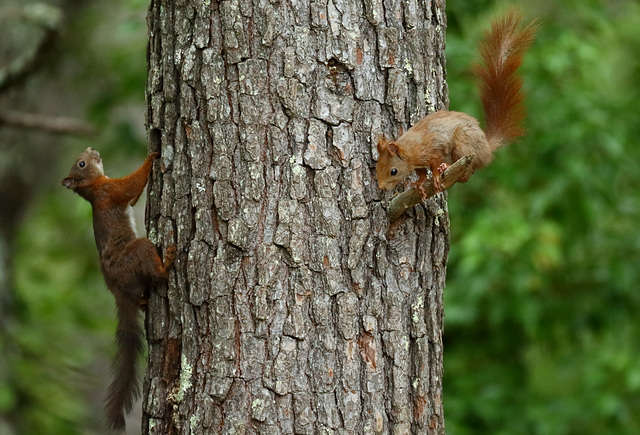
{"points": [[125, 386], [501, 92]]}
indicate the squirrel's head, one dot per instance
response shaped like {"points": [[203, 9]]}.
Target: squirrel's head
{"points": [[86, 169], [392, 166]]}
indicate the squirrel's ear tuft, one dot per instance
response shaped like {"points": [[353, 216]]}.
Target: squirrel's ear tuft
{"points": [[69, 182], [382, 143], [393, 148]]}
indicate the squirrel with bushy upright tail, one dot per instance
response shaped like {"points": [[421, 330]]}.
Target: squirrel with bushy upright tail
{"points": [[441, 138], [129, 265]]}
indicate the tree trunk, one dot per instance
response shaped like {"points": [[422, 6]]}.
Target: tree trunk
{"points": [[294, 306]]}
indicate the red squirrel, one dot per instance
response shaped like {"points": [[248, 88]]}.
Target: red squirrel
{"points": [[129, 264], [441, 138]]}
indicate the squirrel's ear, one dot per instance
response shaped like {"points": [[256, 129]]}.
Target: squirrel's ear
{"points": [[382, 143], [69, 182], [393, 148]]}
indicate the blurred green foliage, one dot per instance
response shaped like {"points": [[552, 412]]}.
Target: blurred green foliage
{"points": [[542, 292], [58, 332], [57, 345]]}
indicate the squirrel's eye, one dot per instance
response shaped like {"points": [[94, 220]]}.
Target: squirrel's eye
{"points": [[394, 172], [81, 164]]}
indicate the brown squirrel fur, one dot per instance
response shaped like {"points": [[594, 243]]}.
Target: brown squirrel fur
{"points": [[129, 264], [441, 138]]}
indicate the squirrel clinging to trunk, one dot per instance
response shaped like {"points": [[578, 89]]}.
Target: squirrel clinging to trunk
{"points": [[129, 265], [441, 138]]}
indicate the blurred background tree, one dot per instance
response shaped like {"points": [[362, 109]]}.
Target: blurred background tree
{"points": [[542, 289]]}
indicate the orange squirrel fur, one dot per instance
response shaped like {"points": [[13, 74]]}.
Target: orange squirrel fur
{"points": [[441, 138], [129, 264]]}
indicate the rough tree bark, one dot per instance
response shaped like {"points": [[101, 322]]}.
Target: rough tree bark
{"points": [[294, 306]]}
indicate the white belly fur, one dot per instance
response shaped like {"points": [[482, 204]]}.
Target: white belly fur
{"points": [[132, 220]]}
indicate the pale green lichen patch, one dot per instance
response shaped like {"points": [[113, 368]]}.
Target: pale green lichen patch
{"points": [[194, 422], [417, 310], [408, 66], [185, 379]]}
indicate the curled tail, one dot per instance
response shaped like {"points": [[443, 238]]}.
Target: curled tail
{"points": [[501, 91], [125, 386]]}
